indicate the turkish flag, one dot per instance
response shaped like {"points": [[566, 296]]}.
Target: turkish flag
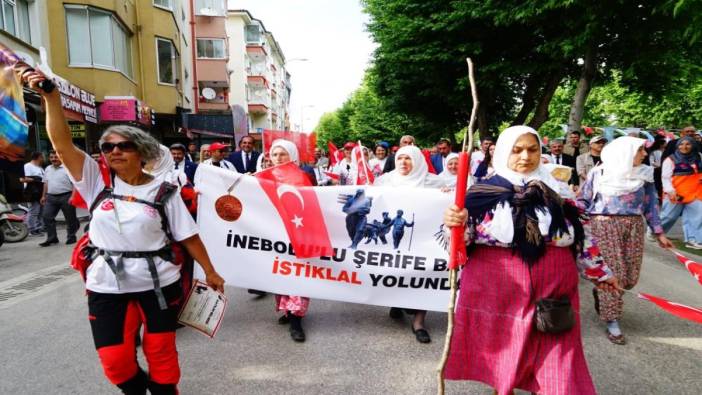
{"points": [[676, 309], [427, 158], [290, 190], [364, 176], [305, 142], [693, 267], [335, 155]]}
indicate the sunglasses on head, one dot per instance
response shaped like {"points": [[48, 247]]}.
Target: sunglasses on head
{"points": [[124, 146]]}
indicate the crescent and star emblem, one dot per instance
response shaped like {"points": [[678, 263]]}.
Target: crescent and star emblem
{"points": [[283, 189]]}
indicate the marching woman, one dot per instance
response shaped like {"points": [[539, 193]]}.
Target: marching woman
{"points": [[294, 308], [485, 168], [450, 171], [411, 170], [381, 156], [681, 176], [131, 281], [522, 242], [618, 194]]}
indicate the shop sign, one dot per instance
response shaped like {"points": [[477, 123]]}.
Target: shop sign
{"points": [[125, 109], [78, 104]]}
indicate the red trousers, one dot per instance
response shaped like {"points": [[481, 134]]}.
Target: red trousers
{"points": [[115, 320]]}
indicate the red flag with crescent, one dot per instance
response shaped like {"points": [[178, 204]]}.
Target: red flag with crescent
{"points": [[676, 309], [693, 267], [290, 190]]}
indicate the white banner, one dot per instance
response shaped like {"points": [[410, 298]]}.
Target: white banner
{"points": [[398, 260]]}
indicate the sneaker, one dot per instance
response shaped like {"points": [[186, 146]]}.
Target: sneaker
{"points": [[693, 245]]}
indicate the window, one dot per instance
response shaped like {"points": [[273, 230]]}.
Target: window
{"points": [[8, 16], [210, 7], [168, 4], [23, 20], [97, 39], [253, 34], [165, 51], [210, 48]]}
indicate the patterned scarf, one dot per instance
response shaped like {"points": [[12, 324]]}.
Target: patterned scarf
{"points": [[483, 198]]}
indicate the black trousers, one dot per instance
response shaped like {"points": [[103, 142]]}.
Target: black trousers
{"points": [[53, 204]]}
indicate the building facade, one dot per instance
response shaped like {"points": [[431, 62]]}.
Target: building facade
{"points": [[259, 81], [133, 57]]}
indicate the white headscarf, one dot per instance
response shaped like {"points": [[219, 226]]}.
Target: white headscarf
{"points": [[619, 176], [288, 146], [502, 226], [503, 149], [163, 168], [449, 179], [419, 176]]}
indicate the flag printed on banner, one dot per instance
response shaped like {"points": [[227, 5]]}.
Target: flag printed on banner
{"points": [[289, 189], [676, 309], [359, 166], [693, 267], [305, 142]]}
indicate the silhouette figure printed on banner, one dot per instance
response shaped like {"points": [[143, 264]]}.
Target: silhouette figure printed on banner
{"points": [[398, 228], [379, 229], [356, 207]]}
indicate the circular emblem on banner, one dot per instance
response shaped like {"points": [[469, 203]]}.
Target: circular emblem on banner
{"points": [[228, 208]]}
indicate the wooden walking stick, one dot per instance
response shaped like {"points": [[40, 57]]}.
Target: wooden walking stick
{"points": [[457, 252]]}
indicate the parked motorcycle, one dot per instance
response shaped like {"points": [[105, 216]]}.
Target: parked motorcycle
{"points": [[13, 229]]}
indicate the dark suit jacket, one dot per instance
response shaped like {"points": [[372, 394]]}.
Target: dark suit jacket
{"points": [[389, 164], [238, 162], [567, 160], [190, 169]]}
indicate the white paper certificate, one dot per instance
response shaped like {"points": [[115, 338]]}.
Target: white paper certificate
{"points": [[204, 309]]}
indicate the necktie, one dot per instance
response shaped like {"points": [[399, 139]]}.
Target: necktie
{"points": [[248, 159], [558, 159], [176, 165]]}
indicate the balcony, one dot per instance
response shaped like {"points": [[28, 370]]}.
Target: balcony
{"points": [[257, 53], [259, 100], [214, 96]]}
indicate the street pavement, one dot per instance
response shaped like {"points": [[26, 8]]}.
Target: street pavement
{"points": [[46, 347]]}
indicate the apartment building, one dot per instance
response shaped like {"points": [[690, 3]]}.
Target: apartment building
{"points": [[259, 81], [132, 58]]}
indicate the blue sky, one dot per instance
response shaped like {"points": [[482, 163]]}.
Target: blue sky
{"points": [[332, 35]]}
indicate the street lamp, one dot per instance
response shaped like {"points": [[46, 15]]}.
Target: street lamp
{"points": [[295, 60], [302, 116]]}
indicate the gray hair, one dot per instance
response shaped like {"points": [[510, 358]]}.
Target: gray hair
{"points": [[147, 146]]}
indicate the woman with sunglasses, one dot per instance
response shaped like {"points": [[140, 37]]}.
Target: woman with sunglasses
{"points": [[128, 284]]}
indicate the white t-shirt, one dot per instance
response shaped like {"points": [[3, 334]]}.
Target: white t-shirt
{"points": [[32, 170], [139, 230]]}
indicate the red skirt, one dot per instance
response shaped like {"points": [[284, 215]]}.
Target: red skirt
{"points": [[495, 340]]}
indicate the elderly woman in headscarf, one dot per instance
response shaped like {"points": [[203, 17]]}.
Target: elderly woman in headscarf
{"points": [[681, 176], [450, 172], [523, 240], [294, 308], [618, 194], [411, 170]]}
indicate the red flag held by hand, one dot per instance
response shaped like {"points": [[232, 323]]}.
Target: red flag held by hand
{"points": [[289, 189], [676, 309], [427, 158]]}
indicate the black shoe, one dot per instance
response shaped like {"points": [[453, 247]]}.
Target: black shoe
{"points": [[284, 319], [258, 293], [296, 331], [71, 240], [421, 335], [396, 313], [48, 243], [597, 301]]}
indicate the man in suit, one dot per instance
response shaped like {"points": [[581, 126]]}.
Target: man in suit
{"points": [[438, 160], [182, 164], [559, 158], [244, 160]]}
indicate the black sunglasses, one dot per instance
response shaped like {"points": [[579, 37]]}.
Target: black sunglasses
{"points": [[124, 146]]}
